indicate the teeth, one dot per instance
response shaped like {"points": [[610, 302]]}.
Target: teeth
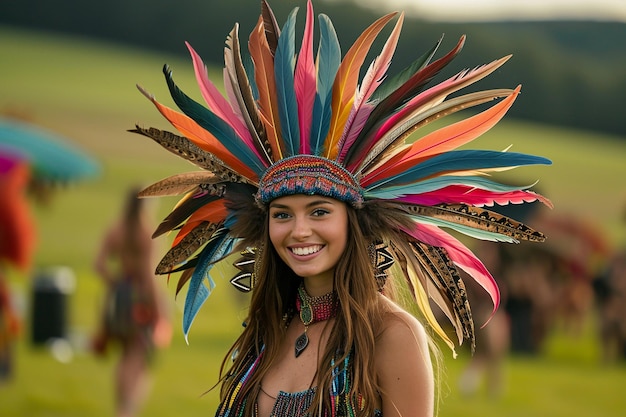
{"points": [[306, 251]]}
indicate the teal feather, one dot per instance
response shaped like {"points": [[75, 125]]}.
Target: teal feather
{"points": [[437, 183], [459, 161], [328, 61], [284, 67], [197, 293], [216, 126]]}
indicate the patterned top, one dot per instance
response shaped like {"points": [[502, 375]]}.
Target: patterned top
{"points": [[294, 404]]}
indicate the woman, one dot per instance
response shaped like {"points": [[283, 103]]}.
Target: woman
{"points": [[309, 189], [133, 316]]}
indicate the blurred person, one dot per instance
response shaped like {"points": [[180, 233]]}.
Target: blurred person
{"points": [[135, 316], [493, 340], [17, 241], [610, 290]]}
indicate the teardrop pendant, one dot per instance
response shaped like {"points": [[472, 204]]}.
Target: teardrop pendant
{"points": [[301, 343]]}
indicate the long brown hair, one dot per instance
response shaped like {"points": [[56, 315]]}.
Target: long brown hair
{"points": [[357, 323]]}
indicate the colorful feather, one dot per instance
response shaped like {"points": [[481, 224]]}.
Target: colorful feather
{"points": [[395, 137], [409, 170], [374, 76], [460, 255], [284, 64], [244, 95], [266, 84], [346, 81], [244, 151], [305, 83], [327, 63]]}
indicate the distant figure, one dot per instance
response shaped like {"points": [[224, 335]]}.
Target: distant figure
{"points": [[610, 291], [17, 241], [133, 315]]}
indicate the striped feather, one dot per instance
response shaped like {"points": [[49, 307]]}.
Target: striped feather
{"points": [[185, 208], [185, 247], [179, 184], [414, 271], [270, 26], [242, 90], [186, 149], [460, 255], [474, 219]]}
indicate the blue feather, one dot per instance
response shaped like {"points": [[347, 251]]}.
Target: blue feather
{"points": [[284, 67], [329, 59], [214, 124], [460, 161], [437, 183], [197, 293]]}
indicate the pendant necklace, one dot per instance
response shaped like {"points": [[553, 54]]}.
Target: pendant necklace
{"points": [[313, 310]]}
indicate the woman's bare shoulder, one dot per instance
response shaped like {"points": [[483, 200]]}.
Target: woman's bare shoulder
{"points": [[400, 325], [403, 364]]}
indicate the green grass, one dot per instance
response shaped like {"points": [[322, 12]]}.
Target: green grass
{"points": [[85, 91]]}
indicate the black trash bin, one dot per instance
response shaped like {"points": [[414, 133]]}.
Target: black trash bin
{"points": [[51, 287]]}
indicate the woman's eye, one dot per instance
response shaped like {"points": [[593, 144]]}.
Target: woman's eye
{"points": [[319, 212], [279, 215]]}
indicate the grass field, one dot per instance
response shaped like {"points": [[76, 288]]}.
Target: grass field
{"points": [[85, 91]]}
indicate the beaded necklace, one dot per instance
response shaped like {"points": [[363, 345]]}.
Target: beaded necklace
{"points": [[313, 310]]}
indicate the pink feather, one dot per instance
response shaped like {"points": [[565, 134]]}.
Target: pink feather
{"points": [[454, 194], [305, 82], [461, 256], [214, 99]]}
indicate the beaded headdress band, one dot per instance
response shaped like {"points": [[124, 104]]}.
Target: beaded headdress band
{"points": [[316, 123], [311, 175]]}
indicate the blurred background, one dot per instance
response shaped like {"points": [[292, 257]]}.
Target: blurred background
{"points": [[558, 348]]}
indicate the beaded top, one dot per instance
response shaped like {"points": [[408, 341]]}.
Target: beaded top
{"points": [[295, 404]]}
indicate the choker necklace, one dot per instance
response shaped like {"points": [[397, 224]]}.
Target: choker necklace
{"points": [[313, 310]]}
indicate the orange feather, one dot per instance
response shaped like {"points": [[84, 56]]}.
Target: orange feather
{"points": [[266, 85], [346, 81]]}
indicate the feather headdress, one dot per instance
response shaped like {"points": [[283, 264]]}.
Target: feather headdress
{"points": [[304, 122]]}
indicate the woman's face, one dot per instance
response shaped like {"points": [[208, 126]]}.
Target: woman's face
{"points": [[309, 233]]}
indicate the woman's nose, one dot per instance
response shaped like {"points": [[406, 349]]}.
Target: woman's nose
{"points": [[301, 228]]}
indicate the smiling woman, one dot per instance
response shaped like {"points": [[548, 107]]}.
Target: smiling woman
{"points": [[308, 178]]}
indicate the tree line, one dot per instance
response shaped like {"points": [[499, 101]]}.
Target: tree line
{"points": [[572, 73]]}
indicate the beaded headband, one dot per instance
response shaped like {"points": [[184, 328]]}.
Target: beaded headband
{"points": [[316, 121], [310, 175]]}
